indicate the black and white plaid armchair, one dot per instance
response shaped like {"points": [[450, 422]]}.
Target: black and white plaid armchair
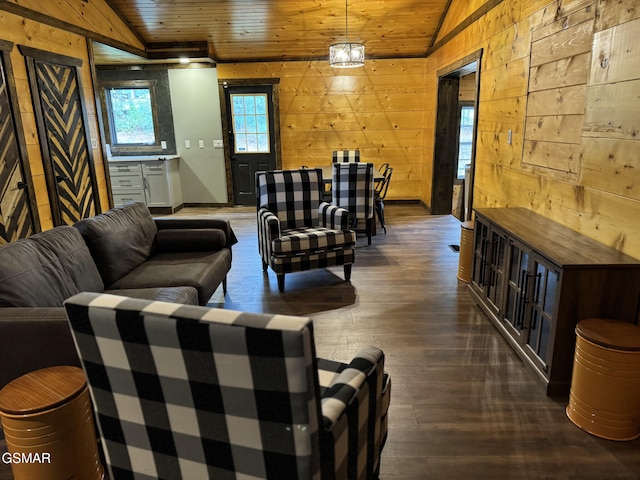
{"points": [[188, 392], [352, 188], [296, 230], [346, 156]]}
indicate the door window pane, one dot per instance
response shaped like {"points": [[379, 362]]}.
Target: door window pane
{"points": [[251, 123]]}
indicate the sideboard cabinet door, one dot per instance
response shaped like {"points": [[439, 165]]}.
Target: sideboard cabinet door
{"points": [[536, 279]]}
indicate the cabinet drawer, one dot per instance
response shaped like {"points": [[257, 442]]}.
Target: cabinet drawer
{"points": [[127, 181], [122, 197], [150, 167], [124, 168]]}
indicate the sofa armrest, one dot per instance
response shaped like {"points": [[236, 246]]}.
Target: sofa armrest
{"points": [[199, 223], [331, 216], [32, 338]]}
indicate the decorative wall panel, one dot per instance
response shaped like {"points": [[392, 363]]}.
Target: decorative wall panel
{"points": [[62, 128]]}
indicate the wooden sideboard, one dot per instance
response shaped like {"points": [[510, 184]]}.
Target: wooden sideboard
{"points": [[536, 279]]}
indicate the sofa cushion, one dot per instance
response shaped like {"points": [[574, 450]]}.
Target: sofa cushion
{"points": [[183, 295], [119, 239], [202, 270], [46, 269], [190, 240]]}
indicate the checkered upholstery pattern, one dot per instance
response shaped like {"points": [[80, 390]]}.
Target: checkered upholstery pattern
{"points": [[346, 156], [189, 392], [352, 188], [296, 230]]}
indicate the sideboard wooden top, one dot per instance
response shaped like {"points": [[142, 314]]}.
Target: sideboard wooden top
{"points": [[563, 246]]}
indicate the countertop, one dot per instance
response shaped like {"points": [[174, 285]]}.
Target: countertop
{"points": [[138, 158]]}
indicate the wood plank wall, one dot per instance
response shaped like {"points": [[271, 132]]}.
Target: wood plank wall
{"points": [[587, 175], [92, 16], [377, 109], [388, 110], [22, 31]]}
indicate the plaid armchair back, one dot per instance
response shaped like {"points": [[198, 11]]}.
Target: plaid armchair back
{"points": [[352, 188], [292, 195], [185, 392], [346, 156]]}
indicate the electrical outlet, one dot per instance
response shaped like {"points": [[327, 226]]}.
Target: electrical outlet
{"points": [[94, 143], [163, 144], [187, 144], [201, 143]]}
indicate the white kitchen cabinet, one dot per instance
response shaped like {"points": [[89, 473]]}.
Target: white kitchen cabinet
{"points": [[152, 180]]}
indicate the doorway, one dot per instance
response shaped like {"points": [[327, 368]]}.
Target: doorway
{"points": [[452, 142], [250, 120]]}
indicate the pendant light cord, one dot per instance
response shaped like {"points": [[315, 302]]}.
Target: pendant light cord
{"points": [[346, 20]]}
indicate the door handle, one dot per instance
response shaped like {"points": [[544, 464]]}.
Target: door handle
{"points": [[60, 178], [22, 185]]}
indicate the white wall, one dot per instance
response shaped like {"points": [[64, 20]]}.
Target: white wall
{"points": [[196, 116]]}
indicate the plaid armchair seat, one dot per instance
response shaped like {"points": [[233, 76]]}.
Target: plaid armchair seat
{"points": [[188, 392], [296, 230]]}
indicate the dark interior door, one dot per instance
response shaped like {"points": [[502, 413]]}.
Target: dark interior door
{"points": [[63, 131], [17, 216], [446, 151], [251, 137]]}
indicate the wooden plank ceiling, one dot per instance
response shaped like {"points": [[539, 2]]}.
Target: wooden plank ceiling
{"points": [[271, 30]]}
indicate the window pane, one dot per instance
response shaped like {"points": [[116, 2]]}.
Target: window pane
{"points": [[263, 142], [252, 143], [251, 120], [261, 105], [132, 116], [251, 124], [241, 143], [238, 104], [239, 124], [466, 139], [263, 125], [250, 105]]}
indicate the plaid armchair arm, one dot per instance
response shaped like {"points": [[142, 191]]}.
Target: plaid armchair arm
{"points": [[268, 230], [333, 217], [353, 413]]}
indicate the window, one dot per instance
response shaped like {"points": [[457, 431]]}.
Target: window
{"points": [[250, 123], [465, 144], [132, 119]]}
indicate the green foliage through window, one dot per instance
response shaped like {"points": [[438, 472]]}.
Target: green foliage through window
{"points": [[132, 116]]}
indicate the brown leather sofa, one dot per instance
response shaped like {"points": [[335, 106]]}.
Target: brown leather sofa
{"points": [[124, 251]]}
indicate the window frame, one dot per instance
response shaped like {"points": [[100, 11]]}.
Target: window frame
{"points": [[105, 100]]}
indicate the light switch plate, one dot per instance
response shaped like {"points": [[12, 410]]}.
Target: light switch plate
{"points": [[187, 144], [218, 144], [163, 144], [201, 143]]}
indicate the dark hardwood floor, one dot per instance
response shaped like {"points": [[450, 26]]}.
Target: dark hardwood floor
{"points": [[463, 406]]}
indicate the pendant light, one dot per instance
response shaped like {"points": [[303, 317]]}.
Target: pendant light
{"points": [[346, 54]]}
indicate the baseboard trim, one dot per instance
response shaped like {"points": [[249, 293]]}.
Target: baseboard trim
{"points": [[206, 205]]}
